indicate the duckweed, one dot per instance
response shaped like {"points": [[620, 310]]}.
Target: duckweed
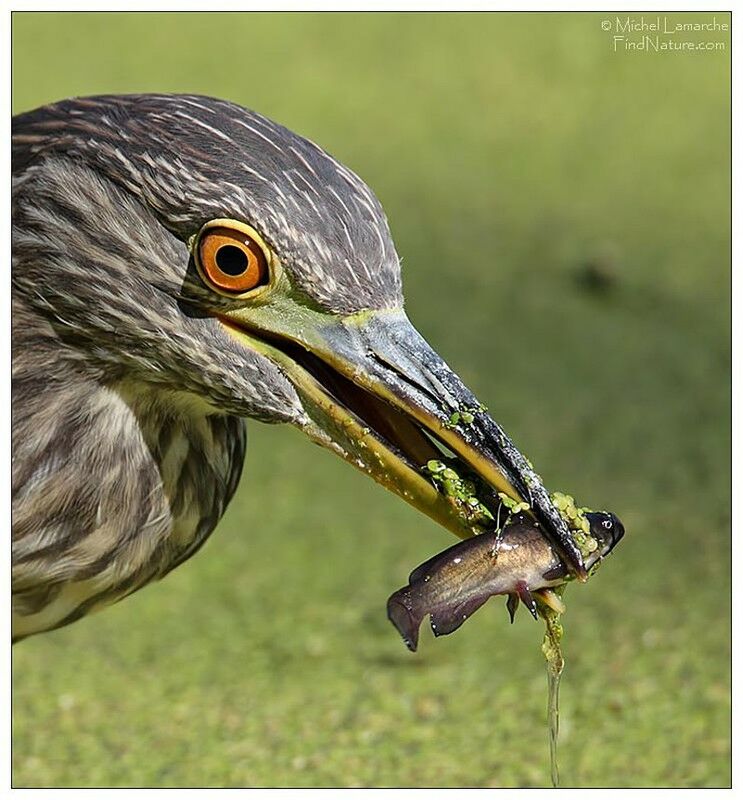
{"points": [[465, 416], [577, 521], [461, 490]]}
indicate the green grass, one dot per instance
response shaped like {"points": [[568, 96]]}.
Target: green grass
{"points": [[509, 151]]}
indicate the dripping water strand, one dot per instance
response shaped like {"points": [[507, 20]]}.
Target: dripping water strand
{"points": [[555, 663], [553, 722]]}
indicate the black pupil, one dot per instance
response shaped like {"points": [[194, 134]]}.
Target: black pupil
{"points": [[232, 260]]}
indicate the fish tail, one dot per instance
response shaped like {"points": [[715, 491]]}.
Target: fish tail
{"points": [[405, 616]]}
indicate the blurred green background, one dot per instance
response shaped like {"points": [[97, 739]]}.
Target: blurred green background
{"points": [[563, 214]]}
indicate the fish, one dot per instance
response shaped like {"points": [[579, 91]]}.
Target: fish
{"points": [[517, 561]]}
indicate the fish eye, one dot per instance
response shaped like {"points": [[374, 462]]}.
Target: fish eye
{"points": [[607, 523], [231, 257]]}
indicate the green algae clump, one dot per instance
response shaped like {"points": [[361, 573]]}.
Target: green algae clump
{"points": [[577, 521], [462, 491]]}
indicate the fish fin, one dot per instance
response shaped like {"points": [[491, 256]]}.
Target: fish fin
{"points": [[512, 603], [448, 618], [422, 571], [527, 598], [403, 613]]}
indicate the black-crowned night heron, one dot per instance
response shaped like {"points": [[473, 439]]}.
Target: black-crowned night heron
{"points": [[180, 264]]}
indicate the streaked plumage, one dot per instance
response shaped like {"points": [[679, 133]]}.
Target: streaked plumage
{"points": [[106, 393], [131, 377]]}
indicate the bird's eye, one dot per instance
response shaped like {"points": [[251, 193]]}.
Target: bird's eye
{"points": [[231, 259]]}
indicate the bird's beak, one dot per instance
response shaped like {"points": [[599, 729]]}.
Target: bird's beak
{"points": [[377, 394]]}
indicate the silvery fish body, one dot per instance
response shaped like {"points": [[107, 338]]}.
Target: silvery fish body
{"points": [[452, 585]]}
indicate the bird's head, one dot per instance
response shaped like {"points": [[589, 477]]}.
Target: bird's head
{"points": [[187, 242]]}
